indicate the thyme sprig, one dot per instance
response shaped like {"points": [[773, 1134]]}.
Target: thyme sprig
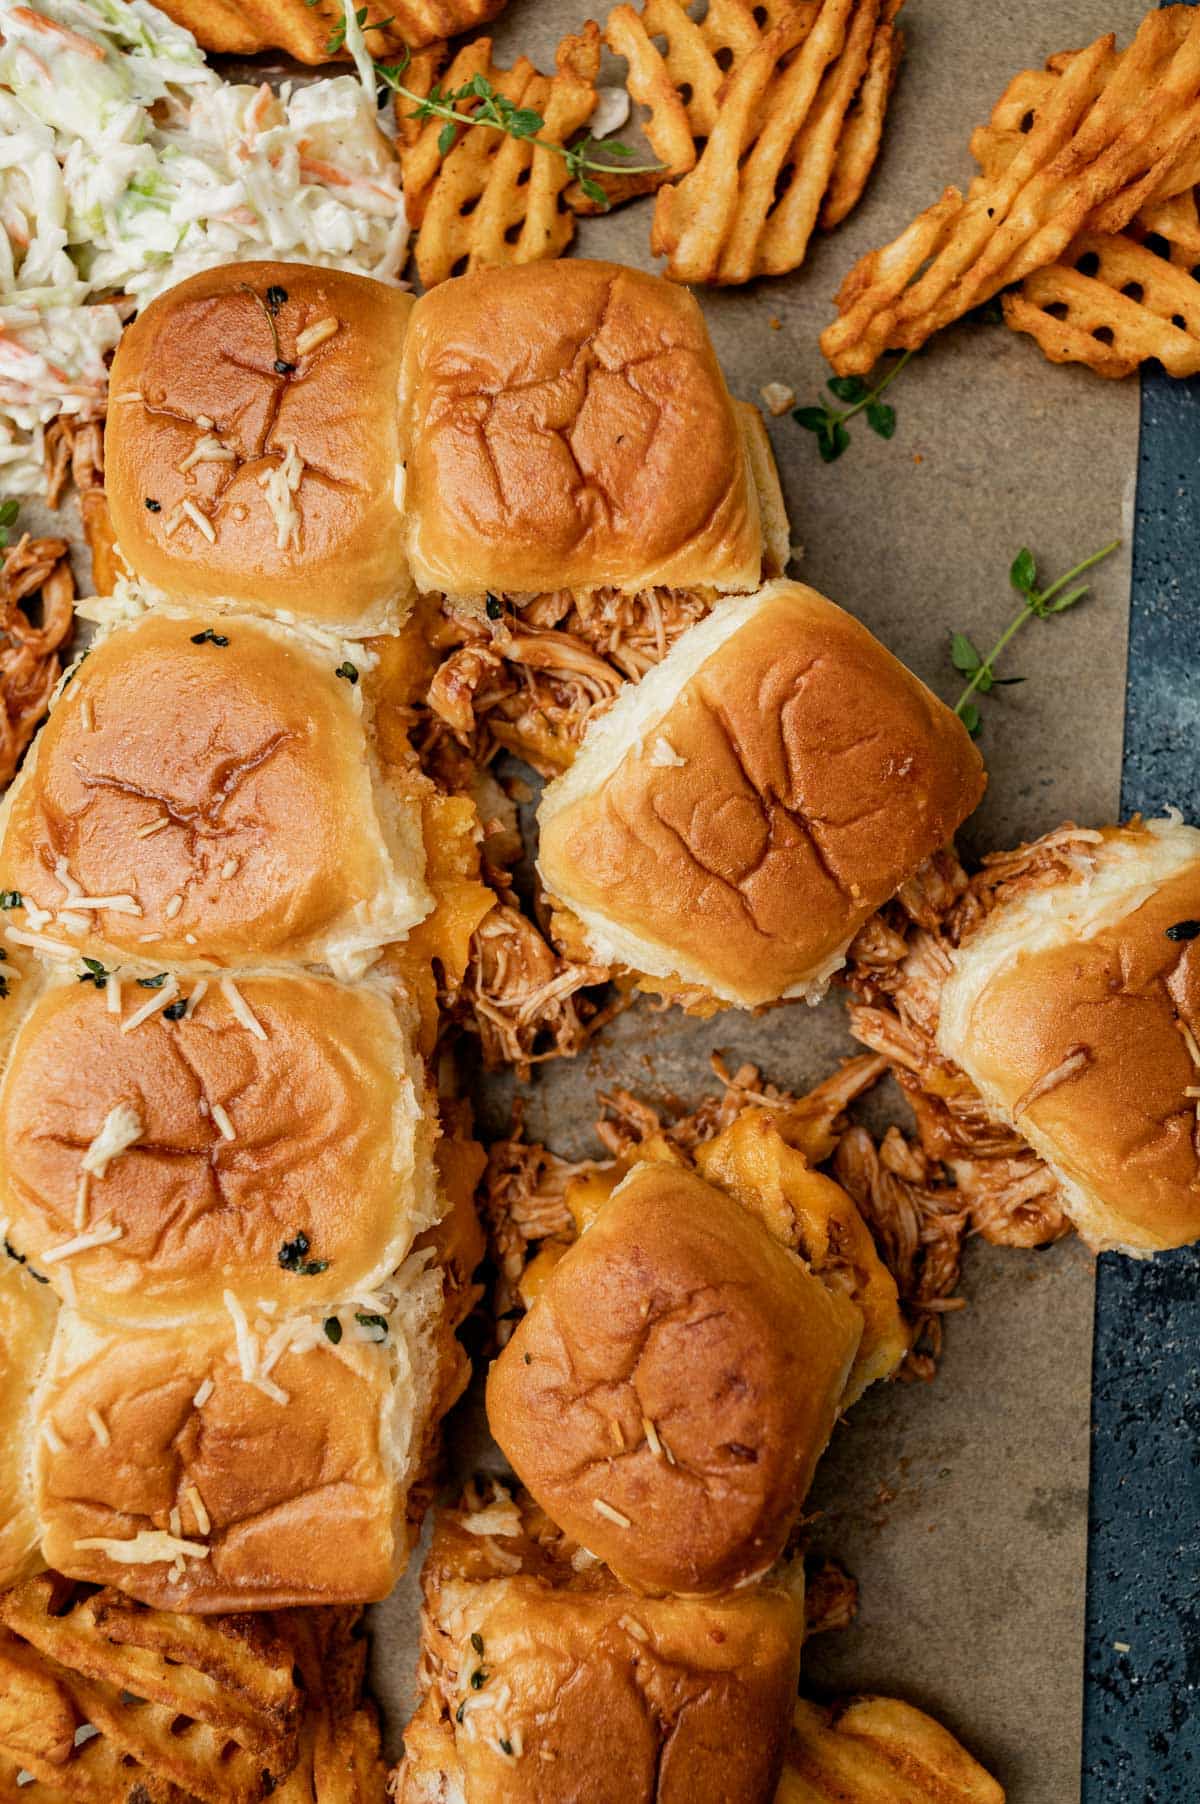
{"points": [[1038, 604], [491, 108], [831, 425]]}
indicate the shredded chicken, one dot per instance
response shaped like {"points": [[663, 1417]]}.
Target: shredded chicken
{"points": [[37, 596], [915, 1214], [918, 1221], [73, 449], [896, 967], [532, 682], [524, 999]]}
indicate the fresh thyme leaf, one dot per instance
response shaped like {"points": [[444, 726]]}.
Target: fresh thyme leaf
{"points": [[1039, 604], [963, 654], [881, 418], [93, 973], [333, 1330], [1023, 574], [616, 149], [593, 190], [10, 898], [447, 139], [832, 441], [811, 418], [850, 389], [152, 983], [175, 1011], [371, 1321], [8, 517], [349, 671]]}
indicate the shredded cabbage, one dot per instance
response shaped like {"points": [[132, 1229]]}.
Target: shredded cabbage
{"points": [[126, 164]]}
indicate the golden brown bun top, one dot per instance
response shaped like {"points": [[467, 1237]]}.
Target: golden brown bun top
{"points": [[1092, 1044], [196, 371], [297, 1494], [236, 1147], [792, 784], [566, 425], [618, 1699], [885, 1750], [667, 1397], [254, 758], [27, 1312]]}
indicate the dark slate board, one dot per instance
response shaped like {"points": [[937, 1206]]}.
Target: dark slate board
{"points": [[1142, 1707]]}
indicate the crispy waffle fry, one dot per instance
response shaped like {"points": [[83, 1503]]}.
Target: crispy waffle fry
{"points": [[773, 144], [1112, 305], [241, 27], [230, 1673], [103, 1701], [878, 1751], [494, 199], [1084, 145], [862, 134]]}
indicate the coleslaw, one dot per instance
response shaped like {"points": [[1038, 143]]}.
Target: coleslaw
{"points": [[127, 164]]}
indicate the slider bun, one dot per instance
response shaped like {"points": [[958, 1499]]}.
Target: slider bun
{"points": [[27, 1313], [677, 1318], [281, 840], [204, 352], [1078, 1020], [735, 817], [330, 1140], [305, 1497], [566, 425], [612, 1698]]}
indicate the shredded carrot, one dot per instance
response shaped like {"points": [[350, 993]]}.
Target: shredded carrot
{"points": [[52, 28]]}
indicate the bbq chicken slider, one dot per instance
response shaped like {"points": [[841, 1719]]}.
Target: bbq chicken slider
{"points": [[206, 792], [679, 1372], [734, 818], [252, 450], [566, 426], [543, 1678], [1072, 1005]]}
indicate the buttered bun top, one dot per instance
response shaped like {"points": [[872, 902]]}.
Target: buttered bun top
{"points": [[27, 1314], [271, 1144], [737, 815], [205, 793], [252, 449], [600, 1694], [1075, 1011], [566, 426], [667, 1397], [212, 1469]]}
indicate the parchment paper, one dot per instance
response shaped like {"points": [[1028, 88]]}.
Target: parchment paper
{"points": [[961, 1506]]}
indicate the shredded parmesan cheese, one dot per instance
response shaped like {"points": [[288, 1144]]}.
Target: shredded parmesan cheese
{"points": [[99, 1427], [175, 1523], [103, 1236], [607, 1511], [117, 905], [652, 1440], [632, 1628], [200, 521], [153, 827], [158, 1000], [196, 997], [207, 450], [39, 943], [174, 904], [241, 1009], [229, 869], [312, 336], [81, 1201], [52, 1438], [203, 1394], [223, 1123], [279, 484], [112, 994], [122, 1129], [86, 718], [196, 1502], [147, 1548]]}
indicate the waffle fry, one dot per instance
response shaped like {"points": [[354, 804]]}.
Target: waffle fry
{"points": [[875, 1749], [1114, 300], [242, 27], [103, 1701], [493, 199], [1084, 146], [779, 134]]}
